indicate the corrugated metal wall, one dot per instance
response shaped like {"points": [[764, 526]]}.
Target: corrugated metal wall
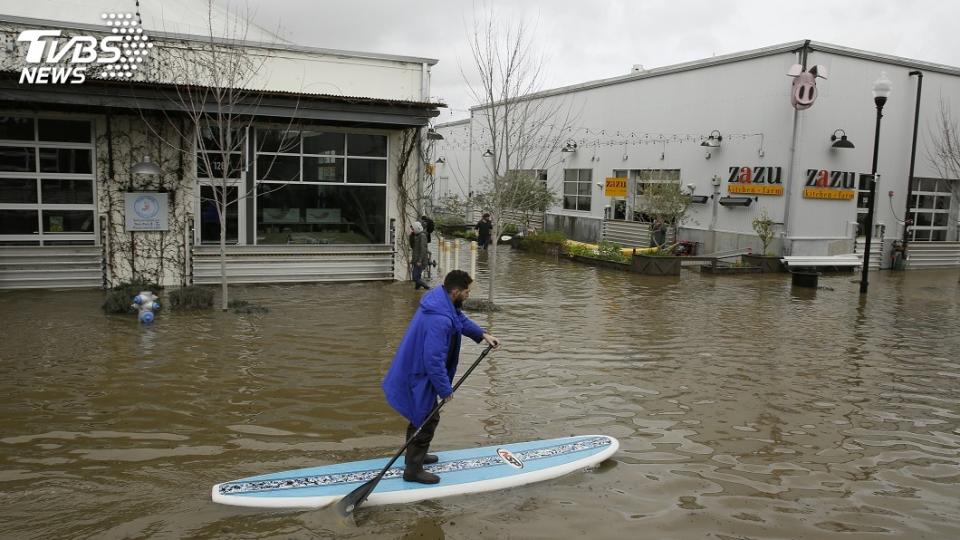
{"points": [[934, 255], [293, 263], [876, 251], [51, 267], [632, 233]]}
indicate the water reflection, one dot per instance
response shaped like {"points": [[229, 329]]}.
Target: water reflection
{"points": [[745, 407]]}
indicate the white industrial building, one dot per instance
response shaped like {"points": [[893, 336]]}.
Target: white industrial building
{"points": [[725, 129], [315, 179]]}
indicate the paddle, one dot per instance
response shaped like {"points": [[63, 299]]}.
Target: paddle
{"points": [[355, 498]]}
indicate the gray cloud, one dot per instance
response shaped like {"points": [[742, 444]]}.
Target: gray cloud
{"points": [[586, 41]]}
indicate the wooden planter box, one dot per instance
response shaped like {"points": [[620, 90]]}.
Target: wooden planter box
{"points": [[656, 266], [553, 250], [767, 263], [625, 267]]}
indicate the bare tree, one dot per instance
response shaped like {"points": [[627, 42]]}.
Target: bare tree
{"points": [[521, 131], [216, 84], [945, 152]]}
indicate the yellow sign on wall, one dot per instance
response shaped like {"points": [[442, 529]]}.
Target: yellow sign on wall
{"points": [[755, 189], [828, 193], [615, 187]]}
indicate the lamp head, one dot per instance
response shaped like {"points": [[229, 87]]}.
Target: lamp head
{"points": [[569, 146], [841, 141], [146, 167], [713, 141], [881, 89]]}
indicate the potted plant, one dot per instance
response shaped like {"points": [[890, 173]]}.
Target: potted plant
{"points": [[667, 205], [768, 262]]}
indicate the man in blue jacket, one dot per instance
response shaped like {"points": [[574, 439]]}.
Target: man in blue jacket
{"points": [[425, 364]]}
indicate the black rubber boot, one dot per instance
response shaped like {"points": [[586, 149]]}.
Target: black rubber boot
{"points": [[413, 468]]}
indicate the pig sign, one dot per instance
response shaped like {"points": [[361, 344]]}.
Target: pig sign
{"points": [[804, 90]]}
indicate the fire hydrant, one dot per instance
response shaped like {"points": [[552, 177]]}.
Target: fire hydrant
{"points": [[146, 303]]}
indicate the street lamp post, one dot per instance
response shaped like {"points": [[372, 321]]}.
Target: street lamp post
{"points": [[881, 90]]}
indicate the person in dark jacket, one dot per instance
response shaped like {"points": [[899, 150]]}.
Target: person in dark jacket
{"points": [[483, 227], [420, 256], [428, 226], [426, 361]]}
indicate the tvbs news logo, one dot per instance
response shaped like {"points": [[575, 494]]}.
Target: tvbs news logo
{"points": [[53, 59]]}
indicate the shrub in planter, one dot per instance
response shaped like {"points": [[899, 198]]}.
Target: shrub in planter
{"points": [[551, 242], [120, 298], [610, 251], [763, 226], [193, 297], [580, 250]]}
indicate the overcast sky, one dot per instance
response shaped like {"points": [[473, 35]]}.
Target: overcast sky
{"points": [[585, 41]]}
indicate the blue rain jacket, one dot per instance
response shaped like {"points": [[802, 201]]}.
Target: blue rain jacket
{"points": [[426, 361]]}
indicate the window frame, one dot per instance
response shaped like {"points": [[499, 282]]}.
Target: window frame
{"points": [[344, 182], [942, 190], [43, 238], [577, 195]]}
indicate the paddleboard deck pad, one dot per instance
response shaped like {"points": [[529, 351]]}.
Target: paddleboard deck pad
{"points": [[461, 471]]}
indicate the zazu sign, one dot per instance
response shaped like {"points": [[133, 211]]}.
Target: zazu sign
{"points": [[615, 187], [756, 180], [835, 185]]}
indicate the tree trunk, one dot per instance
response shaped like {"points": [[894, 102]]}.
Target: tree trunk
{"points": [[492, 259], [221, 207]]}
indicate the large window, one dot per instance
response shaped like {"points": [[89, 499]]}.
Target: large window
{"points": [[320, 187], [930, 209], [46, 182], [320, 214], [577, 189]]}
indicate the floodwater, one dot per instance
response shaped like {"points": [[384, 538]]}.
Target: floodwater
{"points": [[744, 408]]}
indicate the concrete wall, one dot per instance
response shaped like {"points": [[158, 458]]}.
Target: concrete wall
{"points": [[581, 228]]}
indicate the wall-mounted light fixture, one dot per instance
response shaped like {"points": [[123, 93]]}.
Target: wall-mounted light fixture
{"points": [[146, 167], [713, 141], [441, 160], [737, 201], [569, 146], [488, 153], [432, 135], [841, 141]]}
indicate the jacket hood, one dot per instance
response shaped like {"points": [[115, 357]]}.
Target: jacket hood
{"points": [[436, 301]]}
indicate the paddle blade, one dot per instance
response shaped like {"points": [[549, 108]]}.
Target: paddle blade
{"points": [[355, 498]]}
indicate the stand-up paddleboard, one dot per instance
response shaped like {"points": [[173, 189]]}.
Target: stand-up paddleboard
{"points": [[461, 471]]}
